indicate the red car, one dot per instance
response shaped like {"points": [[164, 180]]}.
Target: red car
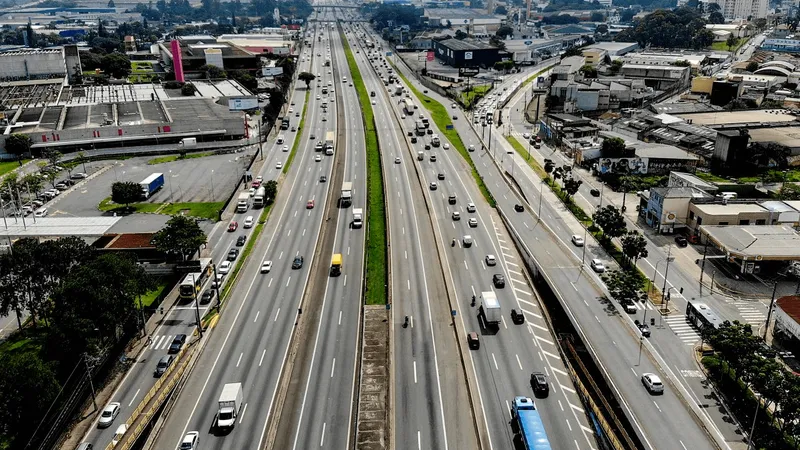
{"points": [[256, 184], [310, 204], [233, 226]]}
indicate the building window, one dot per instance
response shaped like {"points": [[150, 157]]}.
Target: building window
{"points": [[761, 221], [699, 221], [691, 215], [723, 223], [744, 222]]}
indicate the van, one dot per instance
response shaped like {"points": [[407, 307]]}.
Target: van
{"points": [[280, 139], [420, 156]]}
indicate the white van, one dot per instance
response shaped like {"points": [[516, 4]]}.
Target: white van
{"points": [[280, 139], [248, 222]]}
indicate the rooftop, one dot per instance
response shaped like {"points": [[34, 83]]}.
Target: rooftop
{"points": [[455, 44], [694, 180], [459, 13], [612, 47], [46, 227], [729, 209], [680, 192], [662, 151], [790, 304], [739, 117], [786, 136], [755, 242], [683, 108]]}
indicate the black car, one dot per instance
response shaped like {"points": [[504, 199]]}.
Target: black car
{"points": [[241, 240], [519, 208], [644, 329], [177, 343], [595, 192], [429, 131], [413, 139], [163, 365], [539, 384], [440, 176], [499, 280], [323, 178], [297, 263], [233, 254], [427, 147], [517, 317], [451, 200], [681, 241], [207, 296]]}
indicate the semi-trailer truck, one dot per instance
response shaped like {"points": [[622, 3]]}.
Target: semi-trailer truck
{"points": [[490, 307], [243, 203], [358, 217], [230, 402], [259, 199], [529, 423], [346, 199], [151, 184]]}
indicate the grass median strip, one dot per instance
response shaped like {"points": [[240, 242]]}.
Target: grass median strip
{"points": [[376, 277], [173, 158], [296, 144], [442, 119]]}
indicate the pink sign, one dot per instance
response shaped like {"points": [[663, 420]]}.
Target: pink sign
{"points": [[430, 56]]}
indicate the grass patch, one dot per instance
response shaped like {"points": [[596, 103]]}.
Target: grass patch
{"points": [[532, 77], [441, 117], [711, 178], [524, 153], [376, 277], [8, 166], [297, 135], [173, 158], [208, 211], [723, 46], [162, 283], [474, 94], [28, 341]]}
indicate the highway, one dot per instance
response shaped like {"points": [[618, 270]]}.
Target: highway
{"points": [[428, 373], [320, 414], [250, 342], [616, 342], [507, 357]]}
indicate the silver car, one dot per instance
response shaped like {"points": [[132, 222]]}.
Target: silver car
{"points": [[108, 415]]}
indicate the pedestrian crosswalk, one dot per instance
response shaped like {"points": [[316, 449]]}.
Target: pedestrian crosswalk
{"points": [[682, 328], [750, 312], [160, 342]]}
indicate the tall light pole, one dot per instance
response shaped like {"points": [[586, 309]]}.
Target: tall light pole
{"points": [[666, 273]]}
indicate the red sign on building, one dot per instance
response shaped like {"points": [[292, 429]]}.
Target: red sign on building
{"points": [[430, 56]]}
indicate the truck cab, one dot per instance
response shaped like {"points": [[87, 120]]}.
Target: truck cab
{"points": [[336, 265]]}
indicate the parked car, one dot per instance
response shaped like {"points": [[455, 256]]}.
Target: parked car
{"points": [[597, 266], [681, 241]]}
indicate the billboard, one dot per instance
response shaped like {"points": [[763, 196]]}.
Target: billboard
{"points": [[467, 55], [468, 72], [242, 103], [271, 71], [429, 56], [634, 165]]}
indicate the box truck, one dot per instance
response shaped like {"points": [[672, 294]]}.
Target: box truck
{"points": [[358, 217], [346, 199], [230, 402], [243, 203], [151, 184], [490, 308], [186, 143]]}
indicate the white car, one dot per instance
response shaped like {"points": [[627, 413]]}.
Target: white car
{"points": [[118, 434], [472, 222], [108, 415], [41, 212], [279, 165], [446, 146], [397, 160], [434, 185], [491, 260], [652, 383], [266, 266], [259, 178], [454, 106], [224, 267], [190, 441], [577, 240], [318, 158], [471, 207], [291, 110], [373, 102], [286, 148], [252, 191], [248, 221], [597, 266]]}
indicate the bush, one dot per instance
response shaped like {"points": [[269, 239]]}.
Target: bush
{"points": [[188, 89]]}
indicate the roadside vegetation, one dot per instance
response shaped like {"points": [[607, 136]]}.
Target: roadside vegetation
{"points": [[173, 158], [300, 126], [377, 258], [209, 210], [441, 117]]}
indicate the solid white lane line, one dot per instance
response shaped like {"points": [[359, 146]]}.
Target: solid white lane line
{"points": [[260, 361]]}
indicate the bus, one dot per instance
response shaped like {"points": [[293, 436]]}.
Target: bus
{"points": [[701, 316], [531, 429], [408, 106], [192, 282]]}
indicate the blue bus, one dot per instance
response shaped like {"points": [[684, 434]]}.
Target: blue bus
{"points": [[531, 428]]}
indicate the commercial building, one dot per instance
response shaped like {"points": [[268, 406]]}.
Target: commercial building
{"points": [[658, 77], [32, 64], [754, 247], [467, 53], [666, 209], [743, 9], [197, 51], [457, 17], [614, 48]]}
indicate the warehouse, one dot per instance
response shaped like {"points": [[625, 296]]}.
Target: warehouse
{"points": [[467, 53]]}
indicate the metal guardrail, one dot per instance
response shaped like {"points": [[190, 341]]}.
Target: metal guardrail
{"points": [[145, 411]]}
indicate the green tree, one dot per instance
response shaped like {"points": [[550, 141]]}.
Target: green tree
{"points": [[634, 246], [752, 66], [615, 67], [126, 192], [306, 77], [572, 51], [181, 236], [624, 285], [270, 191], [611, 221], [18, 144], [613, 148], [716, 17], [588, 71], [504, 32], [731, 42], [460, 35], [571, 186], [682, 63], [213, 72], [117, 65], [188, 89], [53, 157], [27, 386], [597, 17]]}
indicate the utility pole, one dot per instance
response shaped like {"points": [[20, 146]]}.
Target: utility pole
{"points": [[197, 313], [89, 376], [260, 144], [769, 312], [666, 272]]}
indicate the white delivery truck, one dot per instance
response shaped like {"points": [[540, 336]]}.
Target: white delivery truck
{"points": [[243, 203], [346, 199], [260, 197], [358, 217], [490, 307], [230, 402], [187, 143], [329, 137]]}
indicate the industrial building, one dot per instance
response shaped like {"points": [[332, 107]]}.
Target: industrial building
{"points": [[467, 53]]}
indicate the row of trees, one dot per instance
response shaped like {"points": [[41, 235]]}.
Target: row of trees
{"points": [[80, 303], [683, 27], [743, 364]]}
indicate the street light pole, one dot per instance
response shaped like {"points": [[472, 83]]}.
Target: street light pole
{"points": [[541, 194], [89, 376], [666, 273], [769, 312]]}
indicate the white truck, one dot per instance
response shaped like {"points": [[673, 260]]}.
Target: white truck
{"points": [[230, 402], [187, 143], [346, 199], [435, 140], [329, 137], [490, 308], [358, 217], [259, 199], [243, 202]]}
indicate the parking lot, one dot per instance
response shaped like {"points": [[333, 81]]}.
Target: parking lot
{"points": [[206, 179]]}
